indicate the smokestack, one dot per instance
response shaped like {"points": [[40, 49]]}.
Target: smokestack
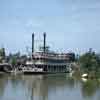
{"points": [[44, 47], [32, 42]]}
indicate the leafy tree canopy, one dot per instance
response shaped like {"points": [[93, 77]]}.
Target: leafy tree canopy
{"points": [[90, 61]]}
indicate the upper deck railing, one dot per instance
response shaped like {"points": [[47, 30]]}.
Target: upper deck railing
{"points": [[57, 56]]}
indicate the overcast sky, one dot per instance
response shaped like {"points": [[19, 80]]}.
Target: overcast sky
{"points": [[71, 25]]}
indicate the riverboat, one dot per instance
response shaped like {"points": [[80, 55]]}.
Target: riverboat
{"points": [[45, 61]]}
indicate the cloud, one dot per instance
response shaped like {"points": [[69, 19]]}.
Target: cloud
{"points": [[34, 23]]}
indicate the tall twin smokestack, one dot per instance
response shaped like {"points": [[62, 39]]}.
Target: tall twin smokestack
{"points": [[32, 42], [44, 45], [44, 42]]}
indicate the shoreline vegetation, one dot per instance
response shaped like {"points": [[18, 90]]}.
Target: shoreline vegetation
{"points": [[88, 63]]}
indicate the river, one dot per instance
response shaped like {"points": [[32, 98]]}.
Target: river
{"points": [[47, 87]]}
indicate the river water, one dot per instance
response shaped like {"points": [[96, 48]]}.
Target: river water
{"points": [[47, 87]]}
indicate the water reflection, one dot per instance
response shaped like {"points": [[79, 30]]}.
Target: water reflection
{"points": [[40, 87], [3, 83], [89, 88], [47, 87]]}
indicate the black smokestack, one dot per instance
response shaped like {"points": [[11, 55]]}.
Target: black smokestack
{"points": [[44, 47], [32, 42]]}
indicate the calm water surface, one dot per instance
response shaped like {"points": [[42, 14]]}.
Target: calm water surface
{"points": [[47, 87]]}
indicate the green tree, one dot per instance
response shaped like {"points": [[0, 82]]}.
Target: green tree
{"points": [[2, 54], [13, 61], [89, 61]]}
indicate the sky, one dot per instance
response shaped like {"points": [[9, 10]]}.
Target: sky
{"points": [[71, 25]]}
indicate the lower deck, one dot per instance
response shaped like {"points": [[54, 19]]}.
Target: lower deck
{"points": [[53, 68]]}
